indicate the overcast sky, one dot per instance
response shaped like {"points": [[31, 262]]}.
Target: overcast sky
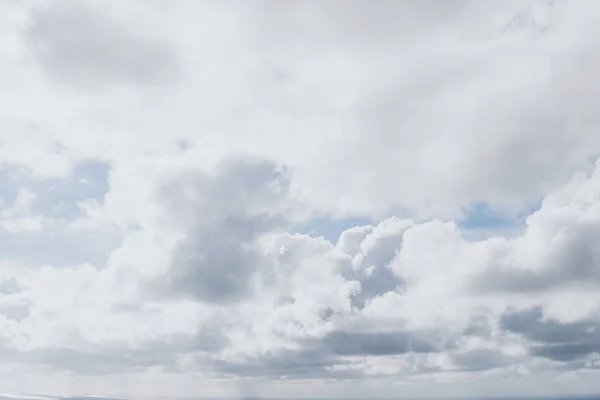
{"points": [[341, 199]]}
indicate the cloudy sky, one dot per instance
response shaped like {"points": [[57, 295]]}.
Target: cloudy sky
{"points": [[300, 198]]}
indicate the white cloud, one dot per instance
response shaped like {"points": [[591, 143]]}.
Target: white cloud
{"points": [[165, 156]]}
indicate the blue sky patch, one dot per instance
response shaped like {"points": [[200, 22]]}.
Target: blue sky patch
{"points": [[59, 246], [57, 198], [482, 220]]}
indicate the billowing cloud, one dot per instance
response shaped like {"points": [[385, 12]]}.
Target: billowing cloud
{"points": [[174, 180], [227, 216]]}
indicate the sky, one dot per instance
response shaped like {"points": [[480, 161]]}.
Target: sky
{"points": [[300, 199]]}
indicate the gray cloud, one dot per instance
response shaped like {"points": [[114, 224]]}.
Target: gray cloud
{"points": [[289, 364], [232, 209], [100, 363], [82, 45], [479, 325], [316, 358], [117, 358], [481, 360], [216, 261], [551, 339], [566, 352], [385, 343]]}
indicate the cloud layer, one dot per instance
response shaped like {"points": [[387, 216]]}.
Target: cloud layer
{"points": [[173, 179]]}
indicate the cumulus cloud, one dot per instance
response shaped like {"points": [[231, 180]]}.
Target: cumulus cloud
{"points": [[227, 215], [160, 167]]}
